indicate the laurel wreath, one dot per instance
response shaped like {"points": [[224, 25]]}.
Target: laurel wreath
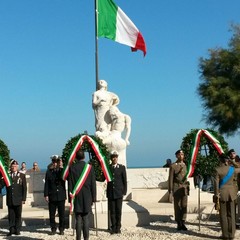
{"points": [[208, 157], [89, 153], [4, 153]]}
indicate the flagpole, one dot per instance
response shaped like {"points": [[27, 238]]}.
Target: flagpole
{"points": [[96, 45]]}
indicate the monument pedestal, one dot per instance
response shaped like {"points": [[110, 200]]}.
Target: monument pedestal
{"points": [[133, 215]]}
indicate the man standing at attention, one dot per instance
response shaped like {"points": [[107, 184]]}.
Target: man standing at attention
{"points": [[55, 194], [82, 192], [115, 191], [225, 195], [16, 197], [178, 186]]}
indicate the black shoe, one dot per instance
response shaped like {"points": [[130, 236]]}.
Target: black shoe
{"points": [[179, 226], [52, 233], [17, 233], [118, 231], [184, 228], [61, 233], [9, 234]]}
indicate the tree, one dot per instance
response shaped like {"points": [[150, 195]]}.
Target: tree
{"points": [[220, 85]]}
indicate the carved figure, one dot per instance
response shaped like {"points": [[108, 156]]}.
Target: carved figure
{"points": [[101, 102], [120, 123]]}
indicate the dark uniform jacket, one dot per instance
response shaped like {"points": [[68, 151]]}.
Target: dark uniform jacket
{"points": [[2, 184], [17, 192], [177, 182], [54, 186], [118, 186], [228, 191], [87, 194]]}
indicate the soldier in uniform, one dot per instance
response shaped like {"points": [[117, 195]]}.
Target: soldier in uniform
{"points": [[115, 191], [55, 194], [178, 186], [16, 197], [236, 182], [225, 195]]}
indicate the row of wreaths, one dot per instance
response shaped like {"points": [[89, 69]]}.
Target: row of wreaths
{"points": [[201, 147]]}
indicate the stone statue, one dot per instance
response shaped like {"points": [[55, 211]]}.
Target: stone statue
{"points": [[110, 123], [101, 102], [120, 123]]}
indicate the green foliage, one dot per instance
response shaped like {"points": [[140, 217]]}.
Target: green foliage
{"points": [[220, 85], [86, 147], [4, 152], [207, 158]]}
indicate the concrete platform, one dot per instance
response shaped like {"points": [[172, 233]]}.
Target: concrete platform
{"points": [[133, 215], [145, 202]]}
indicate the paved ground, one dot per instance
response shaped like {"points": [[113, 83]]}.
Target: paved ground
{"points": [[162, 226]]}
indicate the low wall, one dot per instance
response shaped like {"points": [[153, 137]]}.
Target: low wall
{"points": [[153, 181]]}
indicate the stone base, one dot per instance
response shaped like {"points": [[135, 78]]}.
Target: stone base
{"points": [[133, 215]]}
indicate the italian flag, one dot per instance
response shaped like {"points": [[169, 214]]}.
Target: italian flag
{"points": [[113, 23]]}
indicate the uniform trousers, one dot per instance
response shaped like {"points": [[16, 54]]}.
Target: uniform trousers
{"points": [[60, 206], [15, 218], [238, 211], [180, 205], [115, 208], [82, 223], [227, 219]]}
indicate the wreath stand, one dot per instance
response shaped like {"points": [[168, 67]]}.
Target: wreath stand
{"points": [[191, 144]]}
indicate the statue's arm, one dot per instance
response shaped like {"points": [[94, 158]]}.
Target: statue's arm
{"points": [[94, 100], [115, 99], [128, 122]]}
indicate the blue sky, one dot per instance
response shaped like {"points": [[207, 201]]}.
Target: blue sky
{"points": [[47, 73]]}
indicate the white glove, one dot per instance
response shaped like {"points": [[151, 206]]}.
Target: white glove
{"points": [[238, 193]]}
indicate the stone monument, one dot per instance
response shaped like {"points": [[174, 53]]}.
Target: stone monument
{"points": [[112, 126]]}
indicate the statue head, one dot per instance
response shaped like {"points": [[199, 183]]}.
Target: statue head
{"points": [[102, 84]]}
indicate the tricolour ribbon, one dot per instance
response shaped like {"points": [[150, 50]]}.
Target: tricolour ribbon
{"points": [[79, 184], [101, 158], [195, 147], [5, 173]]}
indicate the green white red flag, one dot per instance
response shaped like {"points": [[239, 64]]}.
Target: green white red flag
{"points": [[114, 24]]}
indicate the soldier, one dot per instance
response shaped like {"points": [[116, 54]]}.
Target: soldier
{"points": [[225, 195], [16, 197], [178, 186], [234, 161], [116, 189], [55, 194]]}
